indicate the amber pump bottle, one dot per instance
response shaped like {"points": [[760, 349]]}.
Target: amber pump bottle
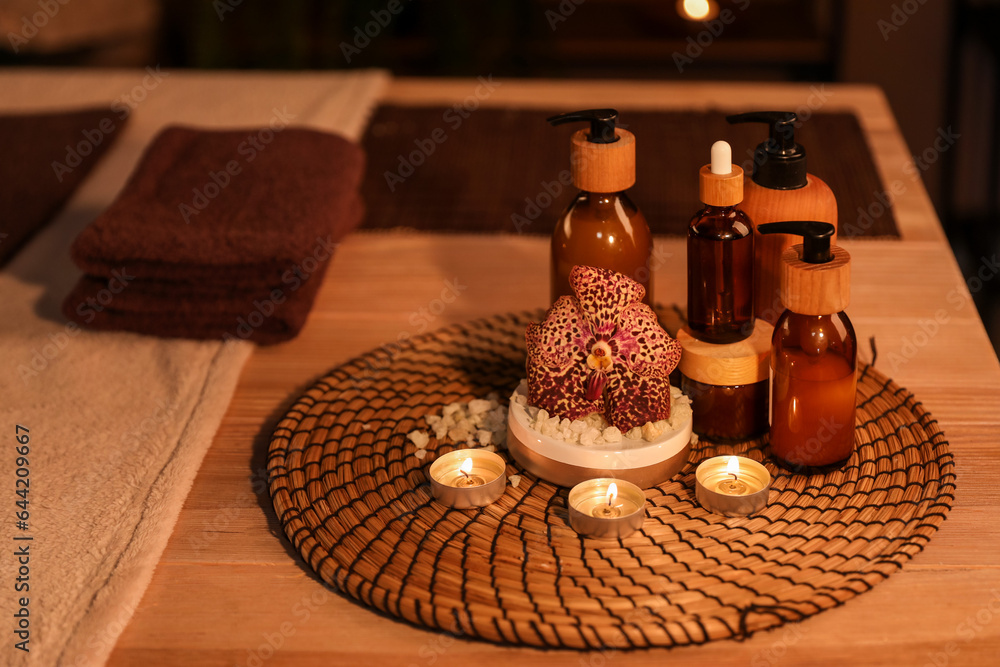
{"points": [[601, 226], [720, 255], [780, 189], [814, 351]]}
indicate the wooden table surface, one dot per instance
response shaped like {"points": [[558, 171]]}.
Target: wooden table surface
{"points": [[230, 590]]}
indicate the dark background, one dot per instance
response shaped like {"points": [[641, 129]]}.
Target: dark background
{"points": [[936, 60]]}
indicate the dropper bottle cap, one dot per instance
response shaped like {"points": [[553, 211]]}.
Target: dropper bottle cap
{"points": [[603, 158], [815, 276], [720, 183]]}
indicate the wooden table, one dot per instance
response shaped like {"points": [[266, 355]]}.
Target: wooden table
{"points": [[230, 590]]}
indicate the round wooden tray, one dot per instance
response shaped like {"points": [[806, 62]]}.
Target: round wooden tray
{"points": [[354, 500]]}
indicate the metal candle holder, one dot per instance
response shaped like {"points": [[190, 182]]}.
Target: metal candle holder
{"points": [[483, 483], [722, 490], [591, 515]]}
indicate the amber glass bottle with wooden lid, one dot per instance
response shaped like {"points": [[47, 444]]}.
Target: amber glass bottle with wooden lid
{"points": [[814, 351], [601, 226], [720, 255], [780, 189]]}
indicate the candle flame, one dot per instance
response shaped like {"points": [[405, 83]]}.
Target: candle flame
{"points": [[612, 493], [466, 466], [733, 466]]}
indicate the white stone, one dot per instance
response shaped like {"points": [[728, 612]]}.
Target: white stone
{"points": [[479, 406], [611, 434], [418, 438]]}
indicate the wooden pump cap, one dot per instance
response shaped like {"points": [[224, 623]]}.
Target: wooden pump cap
{"points": [[815, 289], [603, 167], [720, 189], [740, 363]]}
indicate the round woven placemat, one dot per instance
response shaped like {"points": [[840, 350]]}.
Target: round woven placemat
{"points": [[354, 500]]}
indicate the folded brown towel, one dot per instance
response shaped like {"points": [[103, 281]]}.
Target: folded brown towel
{"points": [[263, 313], [146, 291], [219, 234], [233, 205], [269, 317], [43, 159]]}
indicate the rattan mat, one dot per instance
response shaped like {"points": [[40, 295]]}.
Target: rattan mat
{"points": [[354, 500]]}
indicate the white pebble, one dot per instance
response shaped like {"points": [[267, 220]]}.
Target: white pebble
{"points": [[612, 434], [479, 406], [514, 480], [484, 437], [651, 431], [420, 453], [459, 434], [418, 438]]}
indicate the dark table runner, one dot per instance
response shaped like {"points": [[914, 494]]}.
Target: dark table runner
{"points": [[498, 169]]}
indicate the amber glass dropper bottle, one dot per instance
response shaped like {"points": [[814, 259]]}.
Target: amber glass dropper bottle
{"points": [[814, 351], [601, 226], [720, 255]]}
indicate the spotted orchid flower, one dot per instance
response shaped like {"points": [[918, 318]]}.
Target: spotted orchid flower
{"points": [[602, 351]]}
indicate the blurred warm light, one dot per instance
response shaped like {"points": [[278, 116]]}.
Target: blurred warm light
{"points": [[697, 10]]}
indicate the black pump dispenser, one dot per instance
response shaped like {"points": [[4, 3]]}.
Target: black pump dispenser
{"points": [[602, 123], [778, 163], [816, 237]]}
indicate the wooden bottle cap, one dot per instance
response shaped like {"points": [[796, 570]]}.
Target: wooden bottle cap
{"points": [[815, 289], [603, 167], [740, 363], [720, 189]]}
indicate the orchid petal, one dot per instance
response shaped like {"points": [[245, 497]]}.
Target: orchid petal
{"points": [[562, 392], [643, 346], [603, 294], [562, 337], [632, 400]]}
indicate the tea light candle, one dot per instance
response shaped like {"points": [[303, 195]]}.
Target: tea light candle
{"points": [[606, 508], [468, 478], [732, 485]]}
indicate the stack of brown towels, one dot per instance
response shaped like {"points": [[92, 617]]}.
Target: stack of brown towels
{"points": [[219, 234]]}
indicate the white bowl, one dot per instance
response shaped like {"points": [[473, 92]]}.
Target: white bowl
{"points": [[641, 462]]}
